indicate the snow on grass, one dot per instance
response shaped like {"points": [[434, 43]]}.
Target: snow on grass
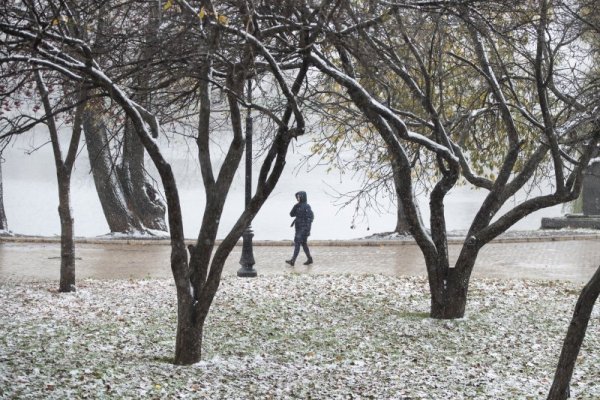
{"points": [[292, 336]]}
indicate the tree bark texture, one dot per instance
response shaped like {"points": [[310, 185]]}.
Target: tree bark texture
{"points": [[67, 243], [402, 220], [142, 198], [190, 326], [110, 192], [574, 339], [3, 221], [402, 226], [449, 296]]}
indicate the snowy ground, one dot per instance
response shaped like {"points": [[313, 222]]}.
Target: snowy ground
{"points": [[292, 336]]}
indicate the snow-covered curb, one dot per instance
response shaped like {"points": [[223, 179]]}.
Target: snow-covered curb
{"points": [[292, 336]]}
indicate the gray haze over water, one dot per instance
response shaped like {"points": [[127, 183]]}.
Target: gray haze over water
{"points": [[31, 198]]}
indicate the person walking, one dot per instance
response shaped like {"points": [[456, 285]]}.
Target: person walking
{"points": [[302, 223]]}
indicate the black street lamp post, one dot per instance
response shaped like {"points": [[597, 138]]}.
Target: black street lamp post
{"points": [[247, 259]]}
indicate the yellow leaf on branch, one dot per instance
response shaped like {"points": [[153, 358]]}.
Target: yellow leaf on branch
{"points": [[60, 19], [223, 20]]}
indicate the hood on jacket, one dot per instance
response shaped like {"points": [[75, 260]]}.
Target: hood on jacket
{"points": [[301, 196]]}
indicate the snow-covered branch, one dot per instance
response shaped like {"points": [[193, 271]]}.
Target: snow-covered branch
{"points": [[398, 123]]}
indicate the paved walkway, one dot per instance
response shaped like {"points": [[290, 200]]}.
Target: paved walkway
{"points": [[574, 260]]}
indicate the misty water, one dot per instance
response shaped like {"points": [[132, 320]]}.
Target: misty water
{"points": [[31, 198]]}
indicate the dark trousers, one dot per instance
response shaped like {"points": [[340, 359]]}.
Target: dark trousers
{"points": [[301, 241]]}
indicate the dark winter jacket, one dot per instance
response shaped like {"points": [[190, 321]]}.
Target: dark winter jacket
{"points": [[304, 216]]}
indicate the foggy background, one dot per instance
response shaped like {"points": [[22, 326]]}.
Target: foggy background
{"points": [[31, 198]]}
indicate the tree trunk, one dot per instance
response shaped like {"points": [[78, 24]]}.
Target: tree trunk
{"points": [[448, 296], [195, 296], [67, 243], [574, 338], [402, 225], [3, 223], [143, 199], [450, 286], [402, 221], [64, 167], [190, 326], [195, 299], [111, 194]]}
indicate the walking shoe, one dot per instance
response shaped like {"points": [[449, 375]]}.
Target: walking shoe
{"points": [[291, 262], [308, 262]]}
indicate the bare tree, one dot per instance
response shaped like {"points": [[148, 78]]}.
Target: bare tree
{"points": [[544, 118], [228, 53], [25, 90], [64, 168], [586, 12], [574, 339]]}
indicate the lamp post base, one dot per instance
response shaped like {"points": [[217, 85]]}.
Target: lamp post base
{"points": [[247, 272], [247, 258]]}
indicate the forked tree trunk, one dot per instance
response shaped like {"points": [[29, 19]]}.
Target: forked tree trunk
{"points": [[129, 202], [142, 198], [450, 286], [112, 197], [103, 168], [574, 339], [196, 283], [64, 167], [194, 306], [449, 298]]}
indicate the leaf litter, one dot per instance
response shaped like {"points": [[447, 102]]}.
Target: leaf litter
{"points": [[292, 336]]}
